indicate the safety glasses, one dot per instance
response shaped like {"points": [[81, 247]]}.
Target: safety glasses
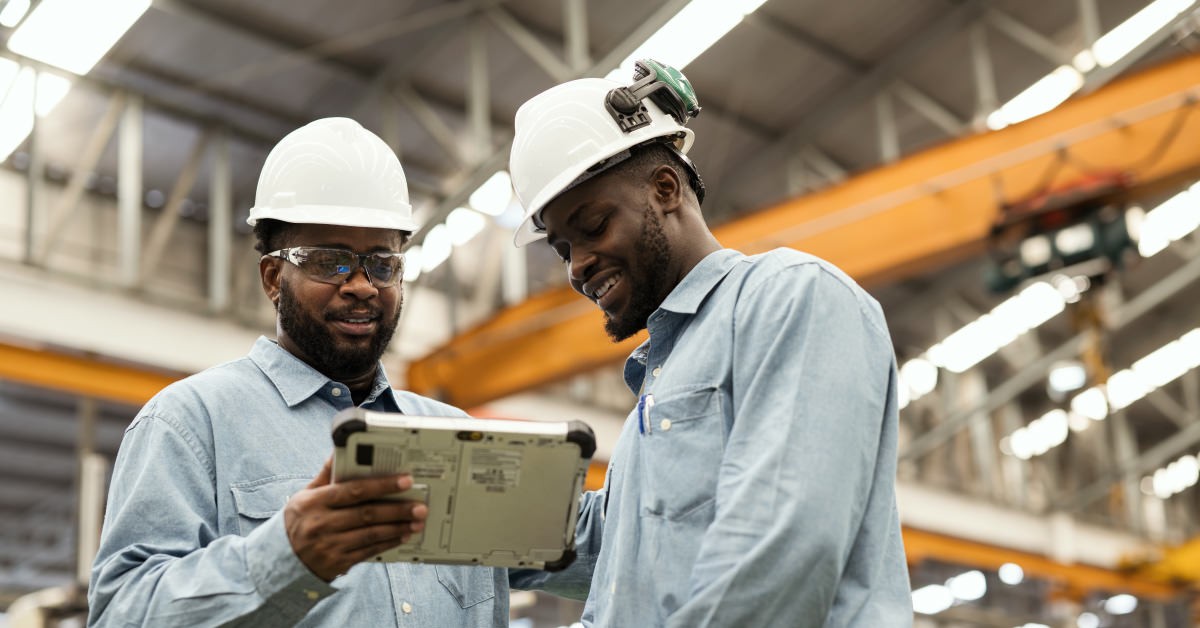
{"points": [[335, 266]]}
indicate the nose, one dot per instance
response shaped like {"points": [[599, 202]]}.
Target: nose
{"points": [[581, 265], [359, 284]]}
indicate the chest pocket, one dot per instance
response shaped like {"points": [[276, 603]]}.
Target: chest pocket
{"points": [[258, 500], [681, 452], [468, 585]]}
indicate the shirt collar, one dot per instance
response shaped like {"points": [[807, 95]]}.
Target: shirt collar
{"points": [[297, 381], [700, 281]]}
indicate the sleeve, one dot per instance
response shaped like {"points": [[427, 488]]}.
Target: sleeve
{"points": [[810, 379], [575, 581], [161, 561]]}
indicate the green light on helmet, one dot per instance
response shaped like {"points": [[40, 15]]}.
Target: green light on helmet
{"points": [[664, 85]]}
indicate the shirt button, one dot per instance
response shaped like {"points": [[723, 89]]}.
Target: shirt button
{"points": [[665, 425], [406, 607], [312, 595], [336, 392], [657, 371]]}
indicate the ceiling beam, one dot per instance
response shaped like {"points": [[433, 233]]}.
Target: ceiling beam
{"points": [[469, 181], [80, 374], [921, 213], [860, 89]]}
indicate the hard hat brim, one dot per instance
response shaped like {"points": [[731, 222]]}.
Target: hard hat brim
{"points": [[335, 215]]}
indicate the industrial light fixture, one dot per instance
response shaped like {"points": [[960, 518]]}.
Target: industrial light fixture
{"points": [[74, 34], [1173, 219], [968, 586], [1042, 435], [1157, 369], [1036, 304], [12, 13], [932, 599], [1120, 41], [18, 107], [1174, 478], [1066, 376], [1011, 574], [464, 224], [1047, 93], [493, 197], [435, 248], [687, 35], [1056, 87], [1122, 604], [412, 263]]}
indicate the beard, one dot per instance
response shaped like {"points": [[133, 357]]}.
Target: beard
{"points": [[649, 284], [318, 344]]}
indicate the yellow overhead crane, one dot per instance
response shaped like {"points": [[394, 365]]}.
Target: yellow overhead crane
{"points": [[926, 211]]}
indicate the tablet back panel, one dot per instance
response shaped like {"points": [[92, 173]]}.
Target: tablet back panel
{"points": [[500, 493]]}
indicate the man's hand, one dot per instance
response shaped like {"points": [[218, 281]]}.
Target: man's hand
{"points": [[333, 527]]}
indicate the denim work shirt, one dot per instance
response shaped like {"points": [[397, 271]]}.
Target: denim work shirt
{"points": [[755, 483], [194, 534]]}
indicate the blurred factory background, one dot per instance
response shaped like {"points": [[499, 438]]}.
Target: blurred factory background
{"points": [[1014, 180]]}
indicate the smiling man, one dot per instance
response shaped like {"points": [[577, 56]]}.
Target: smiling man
{"points": [[214, 516], [753, 482]]}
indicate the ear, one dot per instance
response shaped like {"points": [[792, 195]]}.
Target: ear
{"points": [[270, 270], [668, 189]]}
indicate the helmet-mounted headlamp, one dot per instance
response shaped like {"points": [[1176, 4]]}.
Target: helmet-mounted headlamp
{"points": [[664, 85]]}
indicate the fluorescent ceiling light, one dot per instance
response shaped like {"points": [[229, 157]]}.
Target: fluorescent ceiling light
{"points": [[968, 586], [412, 263], [932, 599], [1122, 604], [436, 248], [74, 34], [1175, 218], [17, 110], [1034, 305], [1049, 92], [687, 35], [1067, 376], [1091, 403], [493, 197], [1011, 574], [1040, 436], [13, 12], [1174, 478], [920, 376], [1120, 41], [464, 225]]}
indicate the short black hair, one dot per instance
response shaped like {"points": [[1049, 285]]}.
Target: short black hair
{"points": [[645, 159], [271, 235]]}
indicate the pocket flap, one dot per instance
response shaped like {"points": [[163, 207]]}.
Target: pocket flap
{"points": [[262, 498]]}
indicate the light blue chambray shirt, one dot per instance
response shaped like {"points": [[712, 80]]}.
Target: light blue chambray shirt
{"points": [[194, 531], [760, 490]]}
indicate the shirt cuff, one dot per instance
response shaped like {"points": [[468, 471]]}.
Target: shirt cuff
{"points": [[277, 572]]}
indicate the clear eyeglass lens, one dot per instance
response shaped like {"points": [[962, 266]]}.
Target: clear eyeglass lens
{"points": [[336, 265]]}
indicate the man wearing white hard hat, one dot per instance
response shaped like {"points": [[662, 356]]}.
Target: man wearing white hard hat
{"points": [[753, 482], [214, 514]]}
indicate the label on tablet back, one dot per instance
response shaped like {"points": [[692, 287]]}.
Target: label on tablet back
{"points": [[432, 464], [496, 469]]}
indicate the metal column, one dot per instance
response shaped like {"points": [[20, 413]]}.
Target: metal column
{"points": [[129, 193], [220, 223]]}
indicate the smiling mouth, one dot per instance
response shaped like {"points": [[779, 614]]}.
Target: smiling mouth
{"points": [[355, 325], [605, 287]]}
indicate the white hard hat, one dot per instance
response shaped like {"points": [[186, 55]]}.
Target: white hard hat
{"points": [[333, 172], [567, 133]]}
